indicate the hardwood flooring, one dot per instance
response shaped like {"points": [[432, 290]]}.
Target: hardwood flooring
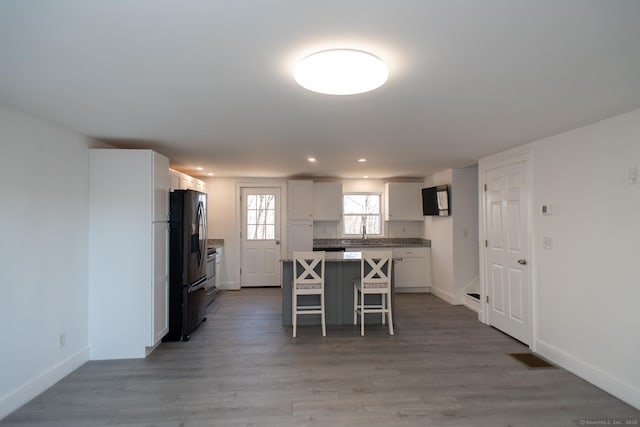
{"points": [[242, 368]]}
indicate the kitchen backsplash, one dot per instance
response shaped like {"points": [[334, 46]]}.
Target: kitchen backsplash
{"points": [[331, 229]]}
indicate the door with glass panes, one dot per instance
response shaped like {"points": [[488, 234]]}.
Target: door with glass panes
{"points": [[260, 237]]}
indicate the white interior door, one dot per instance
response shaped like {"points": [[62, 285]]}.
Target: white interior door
{"points": [[507, 249], [260, 253]]}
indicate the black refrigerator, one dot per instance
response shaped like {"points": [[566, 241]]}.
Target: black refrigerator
{"points": [[187, 263]]}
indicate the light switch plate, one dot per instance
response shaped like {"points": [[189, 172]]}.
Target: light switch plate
{"points": [[547, 242], [546, 209]]}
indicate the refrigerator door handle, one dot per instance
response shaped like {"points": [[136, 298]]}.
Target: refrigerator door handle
{"points": [[202, 234]]}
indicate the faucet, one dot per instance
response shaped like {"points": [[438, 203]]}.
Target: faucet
{"points": [[364, 232]]}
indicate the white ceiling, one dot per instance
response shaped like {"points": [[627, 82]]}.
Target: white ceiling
{"points": [[209, 83]]}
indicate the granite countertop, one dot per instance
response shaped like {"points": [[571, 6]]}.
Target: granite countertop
{"points": [[394, 242], [215, 243]]}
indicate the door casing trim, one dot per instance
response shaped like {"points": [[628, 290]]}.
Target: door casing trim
{"points": [[522, 153], [237, 218]]}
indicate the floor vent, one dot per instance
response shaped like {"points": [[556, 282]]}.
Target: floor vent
{"points": [[530, 360], [475, 296]]}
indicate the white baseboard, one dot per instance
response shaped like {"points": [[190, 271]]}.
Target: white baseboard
{"points": [[472, 286], [32, 388], [471, 303], [410, 290], [619, 388], [443, 295], [229, 286]]}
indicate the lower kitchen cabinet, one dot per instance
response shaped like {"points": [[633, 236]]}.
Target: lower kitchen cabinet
{"points": [[300, 236], [412, 269]]}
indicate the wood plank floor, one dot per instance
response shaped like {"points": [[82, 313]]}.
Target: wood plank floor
{"points": [[242, 368]]}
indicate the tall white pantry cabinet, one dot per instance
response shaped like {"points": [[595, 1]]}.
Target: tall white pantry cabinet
{"points": [[128, 252]]}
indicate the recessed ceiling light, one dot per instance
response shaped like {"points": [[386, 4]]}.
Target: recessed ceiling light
{"points": [[341, 72], [199, 168], [210, 174], [366, 176], [362, 160], [311, 159]]}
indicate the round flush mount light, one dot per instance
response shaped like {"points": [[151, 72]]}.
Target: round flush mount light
{"points": [[341, 72]]}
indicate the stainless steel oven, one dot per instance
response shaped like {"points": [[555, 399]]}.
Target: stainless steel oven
{"points": [[210, 284]]}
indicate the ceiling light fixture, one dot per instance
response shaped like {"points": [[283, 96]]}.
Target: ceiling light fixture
{"points": [[362, 160], [341, 72], [311, 159], [199, 168]]}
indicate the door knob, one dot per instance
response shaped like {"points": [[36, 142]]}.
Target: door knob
{"points": [[522, 261]]}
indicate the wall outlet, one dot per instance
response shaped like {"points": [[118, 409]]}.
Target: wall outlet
{"points": [[547, 242], [62, 340]]}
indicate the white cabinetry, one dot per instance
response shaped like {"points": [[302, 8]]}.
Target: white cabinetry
{"points": [[403, 201], [299, 215], [128, 252], [299, 236], [327, 201], [300, 200], [181, 181], [413, 268]]}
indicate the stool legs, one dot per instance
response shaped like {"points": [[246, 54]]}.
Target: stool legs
{"points": [[294, 313], [385, 309], [324, 325], [361, 313], [389, 313]]}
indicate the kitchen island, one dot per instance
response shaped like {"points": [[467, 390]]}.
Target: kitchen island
{"points": [[341, 268]]}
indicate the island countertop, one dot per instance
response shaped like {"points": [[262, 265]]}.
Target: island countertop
{"points": [[336, 257], [374, 242]]}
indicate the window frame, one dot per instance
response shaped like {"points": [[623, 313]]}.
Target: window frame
{"points": [[266, 209], [379, 215]]}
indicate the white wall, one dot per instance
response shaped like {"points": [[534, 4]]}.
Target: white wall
{"points": [[454, 239], [464, 207], [220, 225], [223, 219], [587, 287], [43, 256], [440, 231]]}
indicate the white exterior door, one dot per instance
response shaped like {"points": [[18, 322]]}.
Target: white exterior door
{"points": [[507, 276], [260, 252]]}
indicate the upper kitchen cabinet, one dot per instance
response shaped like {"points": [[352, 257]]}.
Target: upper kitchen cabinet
{"points": [[182, 181], [327, 201], [128, 252], [403, 201], [299, 200]]}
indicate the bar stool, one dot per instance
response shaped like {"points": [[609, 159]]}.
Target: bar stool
{"points": [[375, 278], [308, 279]]}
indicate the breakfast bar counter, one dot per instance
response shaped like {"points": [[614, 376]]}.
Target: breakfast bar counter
{"points": [[341, 268]]}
